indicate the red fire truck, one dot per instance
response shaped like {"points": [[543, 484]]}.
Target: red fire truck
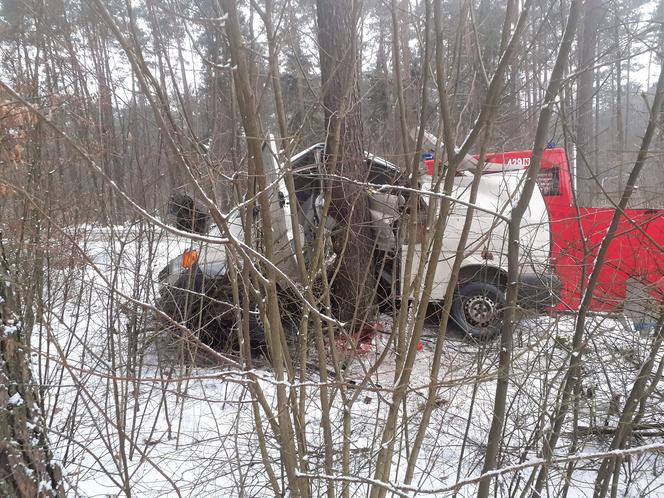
{"points": [[635, 255]]}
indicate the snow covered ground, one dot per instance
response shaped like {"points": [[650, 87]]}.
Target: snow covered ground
{"points": [[125, 420]]}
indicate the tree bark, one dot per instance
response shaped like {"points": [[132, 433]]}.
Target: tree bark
{"points": [[353, 239], [26, 466], [584, 102]]}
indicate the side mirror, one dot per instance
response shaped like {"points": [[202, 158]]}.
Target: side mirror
{"points": [[189, 215]]}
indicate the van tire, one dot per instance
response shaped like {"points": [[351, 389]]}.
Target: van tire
{"points": [[477, 309]]}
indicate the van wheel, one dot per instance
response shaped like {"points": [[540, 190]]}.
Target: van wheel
{"points": [[478, 309]]}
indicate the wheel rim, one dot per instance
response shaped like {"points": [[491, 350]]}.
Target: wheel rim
{"points": [[480, 310]]}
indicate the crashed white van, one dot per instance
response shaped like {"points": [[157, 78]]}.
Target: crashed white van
{"points": [[480, 291], [199, 288]]}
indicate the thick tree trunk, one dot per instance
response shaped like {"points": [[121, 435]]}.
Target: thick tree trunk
{"points": [[26, 467], [353, 240], [584, 103]]}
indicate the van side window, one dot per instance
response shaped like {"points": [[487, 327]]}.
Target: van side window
{"points": [[548, 181]]}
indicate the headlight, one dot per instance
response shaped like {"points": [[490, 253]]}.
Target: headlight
{"points": [[189, 258]]}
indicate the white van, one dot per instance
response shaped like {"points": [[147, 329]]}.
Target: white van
{"points": [[480, 294]]}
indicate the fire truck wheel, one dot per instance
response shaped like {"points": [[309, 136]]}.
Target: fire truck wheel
{"points": [[478, 309]]}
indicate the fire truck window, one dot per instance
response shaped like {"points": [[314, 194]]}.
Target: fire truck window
{"points": [[549, 181]]}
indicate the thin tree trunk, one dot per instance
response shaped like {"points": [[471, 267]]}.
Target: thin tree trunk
{"points": [[611, 466], [274, 331], [578, 341], [620, 126], [26, 466], [494, 439]]}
